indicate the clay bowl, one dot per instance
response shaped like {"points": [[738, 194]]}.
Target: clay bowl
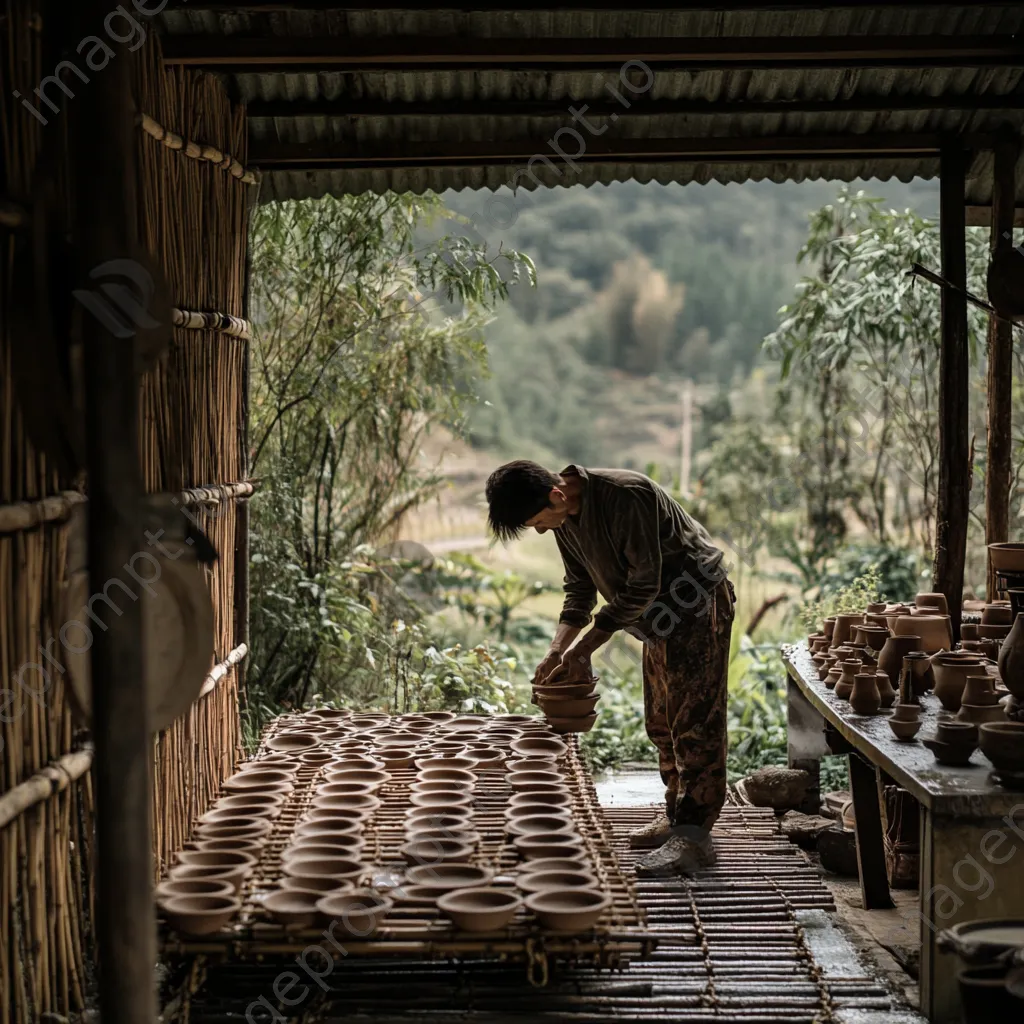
{"points": [[219, 859], [396, 757], [904, 729], [344, 789], [199, 915], [1007, 557], [449, 876], [327, 832], [354, 763], [569, 725], [234, 876], [234, 828], [531, 746], [577, 864], [330, 714], [571, 911], [997, 615], [560, 844], [541, 825], [430, 817], [426, 788], [239, 815], [563, 691], [317, 758], [280, 761], [567, 707], [372, 778], [332, 866], [544, 788], [358, 914], [417, 895], [193, 887], [442, 801], [1003, 744], [339, 818], [556, 881], [528, 810], [950, 754], [433, 761], [435, 851], [398, 739], [368, 718], [958, 733], [259, 781], [524, 780], [293, 907], [262, 805], [239, 844], [551, 798], [978, 714], [532, 764], [465, 834], [480, 910], [451, 776], [351, 801], [293, 742], [487, 757], [437, 717], [322, 884], [934, 631], [324, 846]]}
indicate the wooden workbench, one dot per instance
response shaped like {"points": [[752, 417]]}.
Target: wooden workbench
{"points": [[972, 831]]}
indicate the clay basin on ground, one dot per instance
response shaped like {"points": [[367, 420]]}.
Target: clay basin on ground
{"points": [[556, 881], [294, 908], [570, 911], [480, 910], [1003, 744], [325, 867], [357, 914], [435, 851], [199, 915], [449, 876]]}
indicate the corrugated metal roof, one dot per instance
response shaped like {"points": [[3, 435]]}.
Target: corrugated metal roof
{"points": [[457, 134]]}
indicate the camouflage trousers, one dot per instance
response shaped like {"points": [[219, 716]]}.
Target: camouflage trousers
{"points": [[686, 682]]}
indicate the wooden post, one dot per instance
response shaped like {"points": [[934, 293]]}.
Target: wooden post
{"points": [[954, 379], [998, 460], [103, 180]]}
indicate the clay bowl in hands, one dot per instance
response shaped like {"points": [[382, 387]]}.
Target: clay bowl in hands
{"points": [[194, 887], [556, 881], [570, 911], [322, 884], [568, 725], [441, 801], [567, 707], [294, 908], [449, 876], [558, 797], [579, 863], [459, 762], [564, 691], [199, 915], [531, 746], [374, 778], [358, 914], [1003, 744], [480, 910], [520, 781], [540, 825], [561, 844], [351, 801], [332, 866], [293, 742], [435, 851]]}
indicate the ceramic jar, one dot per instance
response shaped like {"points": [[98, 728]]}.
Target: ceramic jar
{"points": [[906, 721], [864, 698], [921, 678], [890, 658], [834, 674], [1011, 659], [844, 687], [951, 671], [827, 627], [997, 614], [843, 631], [936, 601], [886, 694], [934, 630]]}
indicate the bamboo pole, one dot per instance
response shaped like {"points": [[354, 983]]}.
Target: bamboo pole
{"points": [[24, 515], [220, 670], [52, 779], [195, 150], [223, 323]]}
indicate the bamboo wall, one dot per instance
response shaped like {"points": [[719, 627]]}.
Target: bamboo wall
{"points": [[192, 218]]}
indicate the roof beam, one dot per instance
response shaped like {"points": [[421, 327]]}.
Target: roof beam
{"points": [[391, 53], [272, 155], [357, 108]]}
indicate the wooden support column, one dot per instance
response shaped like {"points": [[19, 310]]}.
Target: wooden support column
{"points": [[998, 461], [954, 382], [103, 180]]}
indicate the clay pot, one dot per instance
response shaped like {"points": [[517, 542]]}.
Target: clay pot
{"points": [[968, 631], [323, 846], [872, 636], [260, 781], [877, 619], [293, 907], [316, 883], [577, 863], [842, 633], [875, 607], [353, 801], [449, 876], [326, 830], [396, 757], [821, 665], [998, 633], [1003, 744], [359, 914], [292, 742], [465, 764], [997, 615], [977, 714], [864, 699], [540, 825], [194, 887], [572, 911], [951, 676], [844, 687], [567, 691], [435, 851], [1011, 659], [441, 801], [933, 600], [556, 881], [199, 915], [567, 707], [934, 630], [560, 797], [1007, 557], [561, 844], [886, 694], [905, 729], [828, 625], [918, 676], [373, 779], [530, 746], [953, 743], [979, 689], [225, 865], [578, 724], [330, 866], [480, 910], [833, 675]]}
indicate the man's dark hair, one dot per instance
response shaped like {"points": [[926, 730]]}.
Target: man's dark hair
{"points": [[516, 492]]}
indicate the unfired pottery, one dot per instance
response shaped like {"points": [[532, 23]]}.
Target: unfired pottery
{"points": [[199, 915], [1003, 744], [449, 876], [324, 867], [435, 851], [571, 911], [932, 600], [1011, 659], [358, 914], [934, 630], [864, 699], [556, 881], [844, 687], [559, 845], [293, 907], [480, 910]]}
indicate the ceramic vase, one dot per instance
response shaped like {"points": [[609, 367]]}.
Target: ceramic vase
{"points": [[843, 631], [886, 694], [934, 631], [864, 698], [1011, 659], [844, 687], [890, 659], [933, 600]]}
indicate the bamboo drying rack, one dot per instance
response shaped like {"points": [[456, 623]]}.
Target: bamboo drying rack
{"points": [[422, 932]]}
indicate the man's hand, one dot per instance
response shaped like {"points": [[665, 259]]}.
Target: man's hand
{"points": [[549, 663], [573, 667]]}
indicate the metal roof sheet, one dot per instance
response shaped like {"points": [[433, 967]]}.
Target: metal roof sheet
{"points": [[324, 130]]}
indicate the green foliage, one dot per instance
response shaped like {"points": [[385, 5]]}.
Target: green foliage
{"points": [[899, 571], [844, 600]]}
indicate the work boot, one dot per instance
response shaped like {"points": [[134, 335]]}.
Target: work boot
{"points": [[652, 835], [679, 855]]}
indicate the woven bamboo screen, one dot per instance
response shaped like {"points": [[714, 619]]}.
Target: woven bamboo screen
{"points": [[192, 218]]}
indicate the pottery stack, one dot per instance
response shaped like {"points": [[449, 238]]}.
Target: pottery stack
{"points": [[568, 707]]}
